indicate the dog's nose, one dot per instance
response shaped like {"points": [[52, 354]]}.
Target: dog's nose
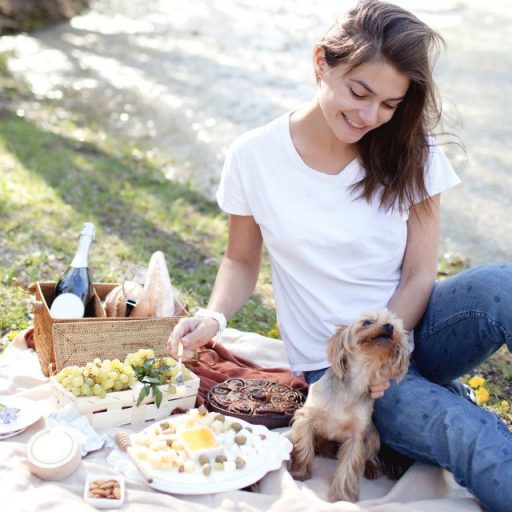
{"points": [[388, 328]]}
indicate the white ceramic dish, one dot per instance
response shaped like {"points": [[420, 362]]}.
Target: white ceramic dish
{"points": [[274, 450], [53, 454], [103, 503], [28, 413]]}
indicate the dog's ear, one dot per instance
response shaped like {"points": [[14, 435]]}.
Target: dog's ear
{"points": [[402, 363], [336, 351]]}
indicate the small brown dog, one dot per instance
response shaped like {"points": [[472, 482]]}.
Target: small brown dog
{"points": [[339, 405]]}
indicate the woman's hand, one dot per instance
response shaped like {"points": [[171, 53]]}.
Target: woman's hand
{"points": [[377, 388], [194, 332]]}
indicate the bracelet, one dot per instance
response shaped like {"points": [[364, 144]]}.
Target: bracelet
{"points": [[208, 313]]}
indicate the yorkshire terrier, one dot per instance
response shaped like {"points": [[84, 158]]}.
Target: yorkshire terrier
{"points": [[339, 406]]}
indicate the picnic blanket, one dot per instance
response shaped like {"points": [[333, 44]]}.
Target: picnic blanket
{"points": [[422, 488]]}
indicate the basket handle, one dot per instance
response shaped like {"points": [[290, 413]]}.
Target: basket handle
{"points": [[52, 369], [37, 306]]}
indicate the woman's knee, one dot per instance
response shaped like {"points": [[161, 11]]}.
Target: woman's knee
{"points": [[487, 287], [470, 308]]}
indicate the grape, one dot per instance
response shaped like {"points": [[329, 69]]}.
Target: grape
{"points": [[77, 381], [66, 381], [107, 365], [97, 389], [86, 390], [108, 384]]}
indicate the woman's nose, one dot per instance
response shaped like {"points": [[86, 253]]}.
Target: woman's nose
{"points": [[370, 114]]}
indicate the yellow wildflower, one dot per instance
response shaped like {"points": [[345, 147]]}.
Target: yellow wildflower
{"points": [[505, 405], [476, 381], [482, 395]]}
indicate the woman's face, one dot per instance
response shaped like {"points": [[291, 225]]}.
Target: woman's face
{"points": [[358, 101]]}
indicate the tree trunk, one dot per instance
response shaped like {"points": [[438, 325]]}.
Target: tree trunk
{"points": [[28, 15]]}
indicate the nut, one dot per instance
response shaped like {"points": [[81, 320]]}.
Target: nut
{"points": [[105, 489]]}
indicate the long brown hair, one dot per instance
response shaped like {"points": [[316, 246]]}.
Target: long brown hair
{"points": [[393, 155]]}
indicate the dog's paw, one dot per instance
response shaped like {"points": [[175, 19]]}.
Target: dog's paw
{"points": [[372, 470], [338, 494], [301, 475], [300, 472]]}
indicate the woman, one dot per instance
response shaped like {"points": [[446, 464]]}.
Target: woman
{"points": [[345, 194]]}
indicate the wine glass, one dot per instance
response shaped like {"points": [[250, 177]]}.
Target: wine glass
{"points": [[132, 286]]}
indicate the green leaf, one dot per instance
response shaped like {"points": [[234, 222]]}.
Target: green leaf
{"points": [[148, 363], [151, 380], [139, 372], [158, 396], [143, 394]]}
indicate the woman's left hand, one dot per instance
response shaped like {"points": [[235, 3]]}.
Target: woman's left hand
{"points": [[377, 388]]}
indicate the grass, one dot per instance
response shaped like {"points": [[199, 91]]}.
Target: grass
{"points": [[58, 171]]}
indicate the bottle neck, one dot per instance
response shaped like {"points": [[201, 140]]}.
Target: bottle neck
{"points": [[81, 258]]}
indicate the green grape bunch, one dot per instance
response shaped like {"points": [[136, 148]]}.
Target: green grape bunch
{"points": [[97, 378]]}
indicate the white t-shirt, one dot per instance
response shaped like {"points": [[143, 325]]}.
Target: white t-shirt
{"points": [[333, 256]]}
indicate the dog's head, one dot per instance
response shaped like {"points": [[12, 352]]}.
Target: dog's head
{"points": [[376, 340]]}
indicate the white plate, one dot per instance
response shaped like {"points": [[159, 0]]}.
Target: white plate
{"points": [[28, 413], [11, 434], [275, 449]]}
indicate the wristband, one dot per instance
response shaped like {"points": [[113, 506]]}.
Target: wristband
{"points": [[220, 317]]}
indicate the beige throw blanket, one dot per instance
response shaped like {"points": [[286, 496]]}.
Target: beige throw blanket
{"points": [[423, 488]]}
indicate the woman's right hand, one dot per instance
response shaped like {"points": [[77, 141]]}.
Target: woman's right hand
{"points": [[194, 332]]}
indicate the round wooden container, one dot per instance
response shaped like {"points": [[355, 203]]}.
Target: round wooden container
{"points": [[53, 454]]}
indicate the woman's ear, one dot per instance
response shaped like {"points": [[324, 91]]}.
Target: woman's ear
{"points": [[319, 62]]}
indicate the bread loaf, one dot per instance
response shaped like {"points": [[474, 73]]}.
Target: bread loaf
{"points": [[115, 301], [158, 296], [112, 301]]}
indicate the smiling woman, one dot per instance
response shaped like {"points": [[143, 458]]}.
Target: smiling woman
{"points": [[345, 194]]}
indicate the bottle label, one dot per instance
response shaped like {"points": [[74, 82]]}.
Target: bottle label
{"points": [[67, 305]]}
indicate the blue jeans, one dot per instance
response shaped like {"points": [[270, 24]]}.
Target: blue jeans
{"points": [[469, 316]]}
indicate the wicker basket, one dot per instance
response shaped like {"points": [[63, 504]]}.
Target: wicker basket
{"points": [[66, 342], [119, 408]]}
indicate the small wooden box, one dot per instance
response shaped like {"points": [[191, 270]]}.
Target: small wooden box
{"points": [[119, 407]]}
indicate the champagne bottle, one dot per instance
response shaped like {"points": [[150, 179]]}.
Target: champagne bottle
{"points": [[74, 288]]}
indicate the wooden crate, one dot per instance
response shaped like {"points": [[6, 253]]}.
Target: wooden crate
{"points": [[119, 407]]}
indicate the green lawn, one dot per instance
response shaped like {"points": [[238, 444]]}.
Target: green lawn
{"points": [[57, 172]]}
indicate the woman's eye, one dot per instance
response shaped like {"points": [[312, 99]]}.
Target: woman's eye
{"points": [[355, 94], [390, 107]]}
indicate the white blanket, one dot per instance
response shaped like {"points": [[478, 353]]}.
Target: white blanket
{"points": [[422, 488]]}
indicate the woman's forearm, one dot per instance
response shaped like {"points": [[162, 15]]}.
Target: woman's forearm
{"points": [[234, 284], [411, 298], [419, 267]]}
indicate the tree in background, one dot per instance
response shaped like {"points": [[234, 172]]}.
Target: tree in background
{"points": [[28, 15]]}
